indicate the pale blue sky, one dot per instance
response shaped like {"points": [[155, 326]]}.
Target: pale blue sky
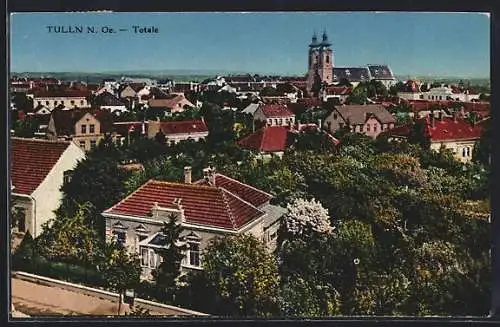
{"points": [[449, 44]]}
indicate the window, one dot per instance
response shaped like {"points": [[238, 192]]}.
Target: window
{"points": [[375, 127], [72, 102], [152, 258], [19, 218], [367, 127], [335, 116], [144, 257], [327, 59], [194, 254], [91, 128], [47, 103], [280, 121], [421, 96], [463, 152], [121, 237], [39, 103], [81, 102], [93, 144], [84, 129], [67, 176], [82, 144]]}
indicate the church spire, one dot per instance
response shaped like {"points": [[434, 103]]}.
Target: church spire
{"points": [[314, 40], [325, 42]]}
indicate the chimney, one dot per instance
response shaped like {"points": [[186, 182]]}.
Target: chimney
{"points": [[209, 175], [187, 175]]}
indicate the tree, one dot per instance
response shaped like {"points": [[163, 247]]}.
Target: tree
{"points": [[91, 179], [120, 271], [419, 134], [71, 238], [171, 253], [306, 218], [26, 127], [242, 287]]}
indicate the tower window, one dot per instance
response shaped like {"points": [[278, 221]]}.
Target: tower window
{"points": [[327, 59]]}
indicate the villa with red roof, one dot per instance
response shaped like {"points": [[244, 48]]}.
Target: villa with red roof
{"points": [[274, 115], [178, 130], [38, 170], [217, 205], [452, 133]]}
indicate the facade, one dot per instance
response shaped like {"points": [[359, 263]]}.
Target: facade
{"points": [[371, 119], [214, 206], [442, 93], [68, 98], [85, 127], [178, 130], [38, 170], [274, 115]]}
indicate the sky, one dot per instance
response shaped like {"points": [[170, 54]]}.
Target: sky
{"points": [[416, 44]]}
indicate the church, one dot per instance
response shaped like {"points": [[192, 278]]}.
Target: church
{"points": [[321, 67]]}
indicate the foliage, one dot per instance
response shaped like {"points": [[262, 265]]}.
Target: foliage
{"points": [[138, 312], [120, 270], [242, 287], [171, 253], [71, 238], [305, 218], [26, 127]]}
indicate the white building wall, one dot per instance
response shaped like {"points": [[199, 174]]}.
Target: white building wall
{"points": [[48, 195]]}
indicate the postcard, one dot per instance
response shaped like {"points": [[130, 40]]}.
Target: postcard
{"points": [[248, 165]]}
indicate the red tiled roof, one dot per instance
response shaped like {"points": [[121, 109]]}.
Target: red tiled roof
{"points": [[246, 192], [446, 129], [203, 205], [267, 139], [276, 110], [32, 160], [183, 127], [449, 129]]}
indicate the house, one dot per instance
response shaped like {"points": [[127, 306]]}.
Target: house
{"points": [[215, 206], [441, 93], [341, 93], [86, 127], [108, 101], [368, 119], [274, 115], [452, 133], [268, 139], [178, 130], [38, 170], [66, 97], [176, 102]]}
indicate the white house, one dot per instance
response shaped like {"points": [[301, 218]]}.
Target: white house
{"points": [[214, 206], [38, 170]]}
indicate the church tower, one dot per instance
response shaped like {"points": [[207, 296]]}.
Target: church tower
{"points": [[320, 67]]}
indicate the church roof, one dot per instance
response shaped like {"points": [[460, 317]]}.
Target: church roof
{"points": [[352, 74], [381, 72]]}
